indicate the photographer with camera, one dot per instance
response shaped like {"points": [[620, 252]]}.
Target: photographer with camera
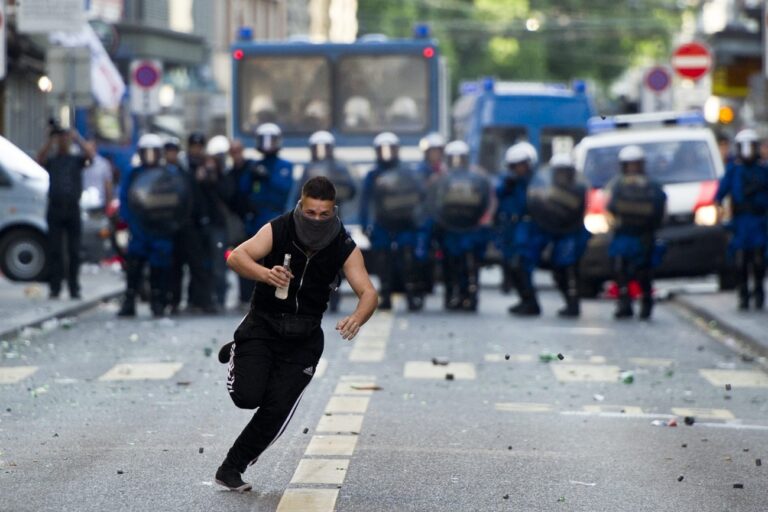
{"points": [[64, 156]]}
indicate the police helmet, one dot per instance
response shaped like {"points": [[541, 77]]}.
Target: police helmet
{"points": [[321, 145], [217, 146], [150, 147], [387, 146], [747, 142], [172, 143], [632, 159], [457, 154], [431, 141], [268, 138], [532, 153], [517, 155], [196, 138]]}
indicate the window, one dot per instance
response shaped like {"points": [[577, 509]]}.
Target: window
{"points": [[379, 93], [495, 142], [293, 92], [665, 162], [558, 140]]}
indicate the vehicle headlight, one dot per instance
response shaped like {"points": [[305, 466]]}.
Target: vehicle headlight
{"points": [[596, 223], [706, 215]]}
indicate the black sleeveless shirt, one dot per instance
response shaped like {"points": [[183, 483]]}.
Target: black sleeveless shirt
{"points": [[314, 275]]}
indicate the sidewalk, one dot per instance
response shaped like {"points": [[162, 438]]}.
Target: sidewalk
{"points": [[27, 304], [751, 327]]}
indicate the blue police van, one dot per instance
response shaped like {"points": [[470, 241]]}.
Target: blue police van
{"points": [[491, 116], [353, 90]]}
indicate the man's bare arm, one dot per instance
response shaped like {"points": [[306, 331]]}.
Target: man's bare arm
{"points": [[244, 260], [368, 299]]}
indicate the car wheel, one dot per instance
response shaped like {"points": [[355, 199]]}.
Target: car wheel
{"points": [[23, 255]]}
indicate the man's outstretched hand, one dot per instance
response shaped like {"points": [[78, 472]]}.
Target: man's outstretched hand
{"points": [[348, 327]]}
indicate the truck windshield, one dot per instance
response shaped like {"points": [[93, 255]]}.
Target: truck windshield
{"points": [[294, 92], [383, 93], [666, 162]]}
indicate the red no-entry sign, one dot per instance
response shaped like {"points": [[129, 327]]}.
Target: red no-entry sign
{"points": [[692, 60]]}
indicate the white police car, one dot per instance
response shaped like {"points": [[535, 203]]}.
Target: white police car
{"points": [[682, 155]]}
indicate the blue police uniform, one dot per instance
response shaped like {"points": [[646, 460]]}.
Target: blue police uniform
{"points": [[269, 197], [395, 249], [747, 185]]}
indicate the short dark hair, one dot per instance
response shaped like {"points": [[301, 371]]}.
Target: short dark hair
{"points": [[320, 188]]}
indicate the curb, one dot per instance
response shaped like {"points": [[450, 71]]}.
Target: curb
{"points": [[723, 331], [74, 309]]}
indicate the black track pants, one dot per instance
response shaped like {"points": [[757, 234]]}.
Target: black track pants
{"points": [[268, 374]]}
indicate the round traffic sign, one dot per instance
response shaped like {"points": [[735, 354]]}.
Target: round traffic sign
{"points": [[146, 75], [657, 79], [692, 60]]}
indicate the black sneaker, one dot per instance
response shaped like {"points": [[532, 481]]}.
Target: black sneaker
{"points": [[230, 478], [224, 352]]}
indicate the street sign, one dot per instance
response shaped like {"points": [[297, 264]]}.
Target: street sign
{"points": [[657, 79], [70, 72], [146, 78], [3, 35], [45, 16], [692, 60]]}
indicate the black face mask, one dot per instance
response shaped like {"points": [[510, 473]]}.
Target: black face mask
{"points": [[315, 234]]}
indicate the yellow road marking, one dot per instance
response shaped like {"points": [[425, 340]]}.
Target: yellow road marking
{"points": [[332, 445], [14, 374], [308, 500], [585, 373], [701, 412], [344, 423], [522, 407], [736, 378], [342, 404], [427, 370], [320, 471], [141, 371]]}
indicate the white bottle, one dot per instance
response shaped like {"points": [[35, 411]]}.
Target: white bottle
{"points": [[282, 291]]}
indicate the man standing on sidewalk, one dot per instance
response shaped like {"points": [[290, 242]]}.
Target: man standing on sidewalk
{"points": [[65, 168], [278, 344]]}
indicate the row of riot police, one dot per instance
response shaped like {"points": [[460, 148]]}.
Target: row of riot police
{"points": [[745, 183], [541, 212]]}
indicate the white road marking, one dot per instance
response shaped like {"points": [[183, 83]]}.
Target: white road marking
{"points": [[736, 378], [371, 344], [522, 407], [345, 423], [620, 409], [332, 445], [347, 404], [14, 374], [141, 371], [320, 471], [703, 412], [648, 361], [427, 370], [308, 500], [585, 373]]}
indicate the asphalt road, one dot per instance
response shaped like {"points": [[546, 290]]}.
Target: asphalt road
{"points": [[79, 433]]}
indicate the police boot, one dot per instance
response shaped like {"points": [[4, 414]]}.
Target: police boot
{"points": [[384, 267], [624, 304], [157, 291], [529, 305], [132, 282], [646, 308], [742, 270], [413, 283], [743, 298], [759, 271], [507, 280]]}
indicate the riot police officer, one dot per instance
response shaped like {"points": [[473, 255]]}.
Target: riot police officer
{"points": [[431, 168], [152, 200], [396, 196], [637, 205], [557, 202], [267, 188], [513, 226], [323, 162], [213, 195], [459, 200], [746, 182]]}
